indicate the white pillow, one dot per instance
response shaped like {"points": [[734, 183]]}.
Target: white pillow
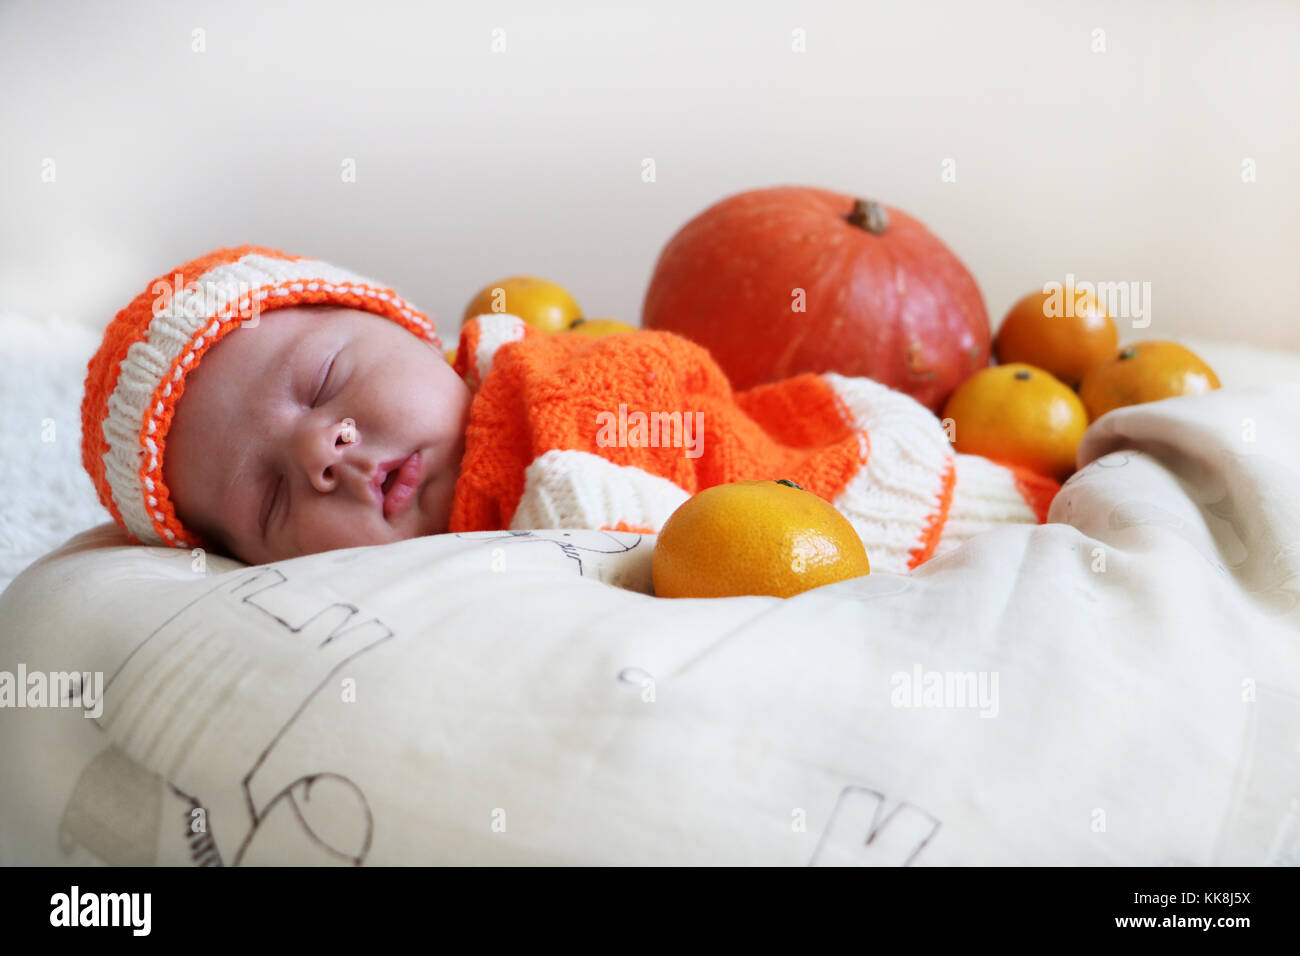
{"points": [[519, 698], [492, 698]]}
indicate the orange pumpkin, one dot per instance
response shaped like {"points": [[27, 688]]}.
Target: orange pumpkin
{"points": [[790, 279]]}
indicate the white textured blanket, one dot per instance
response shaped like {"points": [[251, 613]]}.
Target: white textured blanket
{"points": [[1121, 685]]}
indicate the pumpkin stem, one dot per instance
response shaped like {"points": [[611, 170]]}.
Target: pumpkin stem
{"points": [[869, 215], [788, 483]]}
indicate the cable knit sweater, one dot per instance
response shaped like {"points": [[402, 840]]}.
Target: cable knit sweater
{"points": [[567, 431]]}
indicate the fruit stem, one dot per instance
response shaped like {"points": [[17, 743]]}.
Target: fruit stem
{"points": [[788, 483], [869, 215]]}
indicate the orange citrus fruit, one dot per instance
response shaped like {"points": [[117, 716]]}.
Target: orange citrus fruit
{"points": [[755, 537], [1067, 344], [539, 302], [1145, 372], [1019, 415], [598, 328]]}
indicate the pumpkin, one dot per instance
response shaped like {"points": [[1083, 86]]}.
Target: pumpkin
{"points": [[790, 279]]}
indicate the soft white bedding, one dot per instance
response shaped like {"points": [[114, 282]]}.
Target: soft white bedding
{"points": [[1134, 692], [1133, 667], [47, 495]]}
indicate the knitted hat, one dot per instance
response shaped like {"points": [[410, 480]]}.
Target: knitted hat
{"points": [[138, 375]]}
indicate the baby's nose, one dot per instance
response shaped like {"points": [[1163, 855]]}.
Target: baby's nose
{"points": [[346, 433], [321, 452]]}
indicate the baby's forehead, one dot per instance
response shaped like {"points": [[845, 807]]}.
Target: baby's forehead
{"points": [[277, 334], [264, 357], [313, 315], [305, 315]]}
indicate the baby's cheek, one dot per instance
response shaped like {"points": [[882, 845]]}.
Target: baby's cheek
{"points": [[436, 502]]}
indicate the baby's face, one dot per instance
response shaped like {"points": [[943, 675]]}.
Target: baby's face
{"points": [[280, 442]]}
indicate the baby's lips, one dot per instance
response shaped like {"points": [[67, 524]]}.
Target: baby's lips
{"points": [[380, 475], [399, 496]]}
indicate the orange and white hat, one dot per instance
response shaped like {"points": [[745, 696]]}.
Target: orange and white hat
{"points": [[137, 376]]}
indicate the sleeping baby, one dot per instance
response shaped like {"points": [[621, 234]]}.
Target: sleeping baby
{"points": [[269, 406]]}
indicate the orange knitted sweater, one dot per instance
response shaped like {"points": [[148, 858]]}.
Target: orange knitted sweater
{"points": [[567, 431]]}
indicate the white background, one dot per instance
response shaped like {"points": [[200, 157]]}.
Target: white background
{"points": [[472, 165]]}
